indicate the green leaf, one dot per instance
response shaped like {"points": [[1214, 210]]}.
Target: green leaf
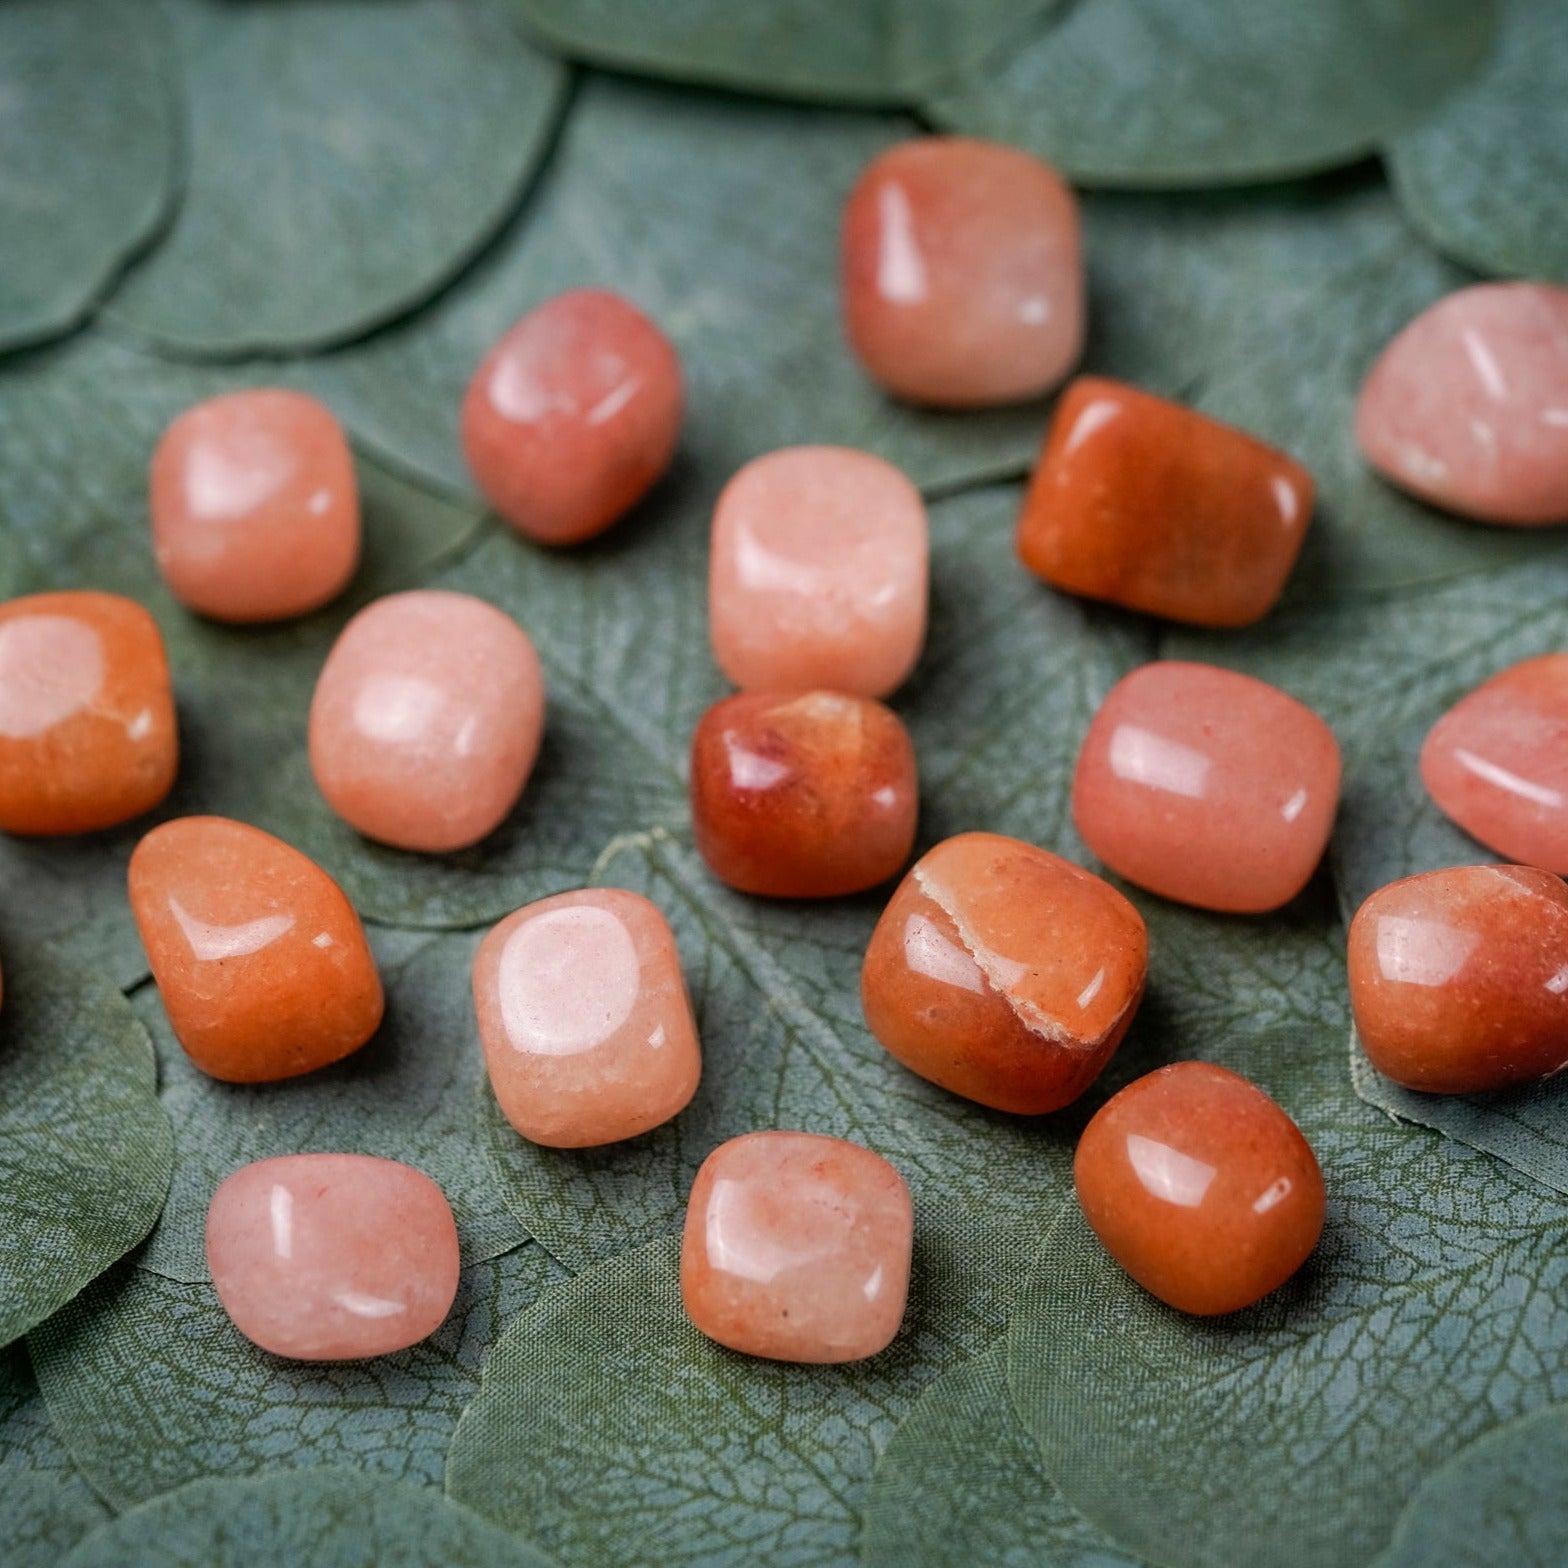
{"points": [[149, 1385], [85, 1148], [1168, 93], [1480, 178], [332, 186]]}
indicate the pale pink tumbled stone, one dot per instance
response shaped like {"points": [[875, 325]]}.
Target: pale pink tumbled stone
{"points": [[332, 1257], [1468, 407], [427, 720], [818, 573]]}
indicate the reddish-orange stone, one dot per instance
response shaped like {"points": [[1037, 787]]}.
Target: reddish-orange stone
{"points": [[261, 960], [1201, 1187], [1150, 505], [1459, 978], [87, 729], [1004, 973], [803, 796], [573, 415]]}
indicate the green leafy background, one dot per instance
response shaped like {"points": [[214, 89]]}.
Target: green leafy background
{"points": [[355, 197]]}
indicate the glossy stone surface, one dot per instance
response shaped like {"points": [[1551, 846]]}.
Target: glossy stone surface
{"points": [[584, 1018], [260, 959], [963, 273], [1004, 973], [87, 727], [797, 1248], [254, 505], [1150, 505], [818, 572], [573, 415], [427, 719], [1468, 407], [1459, 978], [803, 796], [332, 1257], [1201, 1187], [1497, 763], [1207, 787]]}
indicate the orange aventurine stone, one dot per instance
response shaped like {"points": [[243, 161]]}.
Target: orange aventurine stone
{"points": [[1004, 973], [963, 273], [573, 415], [1459, 978], [797, 1248], [586, 1026], [255, 510], [803, 796], [1150, 505], [87, 730], [260, 959], [1201, 1187]]}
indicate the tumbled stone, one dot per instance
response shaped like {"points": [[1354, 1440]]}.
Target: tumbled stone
{"points": [[1153, 506], [427, 719], [963, 273], [1201, 1187], [1004, 973], [1468, 407], [1459, 978], [797, 1248], [332, 1257], [255, 509], [87, 727], [573, 416], [803, 796], [1207, 786], [584, 1018], [261, 961], [818, 573]]}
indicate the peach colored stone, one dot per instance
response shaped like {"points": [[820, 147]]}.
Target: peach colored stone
{"points": [[1459, 978], [1468, 407], [586, 1026], [1497, 763], [87, 728], [332, 1257], [427, 719], [1207, 786], [1004, 973], [255, 509], [818, 573], [1201, 1187], [963, 273], [260, 959], [797, 1248], [573, 415]]}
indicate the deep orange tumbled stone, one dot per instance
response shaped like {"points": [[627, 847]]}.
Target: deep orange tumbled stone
{"points": [[1147, 504], [260, 959], [1459, 978], [803, 796], [87, 728], [1004, 973]]}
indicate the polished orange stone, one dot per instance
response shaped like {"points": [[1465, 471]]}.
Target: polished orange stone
{"points": [[584, 1018], [797, 1247], [1201, 1187], [1459, 978], [963, 273], [255, 509], [573, 415], [1004, 973], [261, 961], [803, 796], [1207, 786], [1153, 506], [87, 729]]}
